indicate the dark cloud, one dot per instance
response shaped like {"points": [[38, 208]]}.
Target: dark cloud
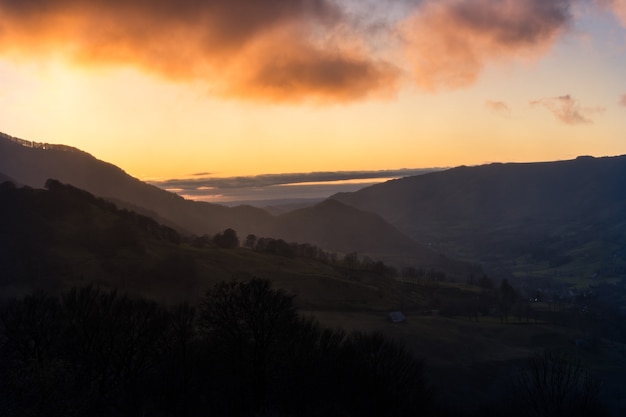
{"points": [[618, 7], [280, 186], [498, 107], [450, 41], [291, 50], [568, 110], [266, 180], [284, 50]]}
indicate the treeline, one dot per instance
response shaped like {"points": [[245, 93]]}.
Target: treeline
{"points": [[244, 351], [68, 215], [228, 239], [479, 298]]}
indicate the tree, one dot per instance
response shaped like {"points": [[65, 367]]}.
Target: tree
{"points": [[248, 321], [384, 378], [88, 354], [486, 283], [555, 385], [279, 247], [250, 241], [508, 295], [227, 239], [351, 260]]}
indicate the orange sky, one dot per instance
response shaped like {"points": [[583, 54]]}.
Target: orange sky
{"points": [[167, 89]]}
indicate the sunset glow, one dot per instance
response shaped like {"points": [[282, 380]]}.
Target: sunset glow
{"points": [[171, 88]]}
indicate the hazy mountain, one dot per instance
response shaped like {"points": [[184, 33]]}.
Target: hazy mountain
{"points": [[361, 231], [32, 163], [552, 218], [4, 178], [333, 227], [62, 236]]}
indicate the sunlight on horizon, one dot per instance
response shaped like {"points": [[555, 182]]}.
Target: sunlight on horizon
{"points": [[349, 101]]}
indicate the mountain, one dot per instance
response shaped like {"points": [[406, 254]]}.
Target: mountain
{"points": [[59, 237], [362, 231], [32, 163], [334, 227], [564, 218], [5, 178]]}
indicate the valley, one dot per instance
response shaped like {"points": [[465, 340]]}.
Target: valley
{"points": [[489, 265]]}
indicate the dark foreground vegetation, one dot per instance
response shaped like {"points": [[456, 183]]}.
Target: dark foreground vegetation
{"points": [[243, 351], [107, 332]]}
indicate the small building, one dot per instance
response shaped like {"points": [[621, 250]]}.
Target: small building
{"points": [[397, 317]]}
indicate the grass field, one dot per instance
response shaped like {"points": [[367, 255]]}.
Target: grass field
{"points": [[472, 362]]}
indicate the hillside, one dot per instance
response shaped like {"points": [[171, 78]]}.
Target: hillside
{"points": [[562, 219], [335, 228], [60, 237], [32, 163], [366, 233], [362, 231], [5, 178]]}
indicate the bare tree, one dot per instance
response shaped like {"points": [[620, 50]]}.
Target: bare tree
{"points": [[554, 385], [250, 322]]}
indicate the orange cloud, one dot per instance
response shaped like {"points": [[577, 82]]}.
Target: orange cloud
{"points": [[498, 107], [616, 6], [449, 42], [278, 50], [568, 110], [622, 100]]}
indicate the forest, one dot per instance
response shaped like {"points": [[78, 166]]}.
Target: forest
{"points": [[245, 350]]}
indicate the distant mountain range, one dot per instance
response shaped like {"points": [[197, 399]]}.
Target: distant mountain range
{"points": [[60, 237], [562, 219], [331, 225]]}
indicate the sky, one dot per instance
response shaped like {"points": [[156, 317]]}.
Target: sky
{"points": [[180, 89]]}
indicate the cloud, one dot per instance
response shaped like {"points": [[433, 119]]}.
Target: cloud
{"points": [[618, 7], [449, 42], [622, 100], [568, 110], [315, 185], [320, 51], [276, 50], [267, 180], [498, 107]]}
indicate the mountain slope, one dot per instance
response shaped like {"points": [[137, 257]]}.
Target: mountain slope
{"points": [[33, 163], [361, 231], [60, 237], [346, 229], [513, 215], [4, 178]]}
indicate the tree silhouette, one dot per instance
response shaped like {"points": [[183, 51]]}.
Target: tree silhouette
{"points": [[508, 295], [250, 241], [555, 385], [228, 239], [249, 321], [383, 378]]}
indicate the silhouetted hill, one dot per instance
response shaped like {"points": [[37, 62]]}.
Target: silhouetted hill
{"points": [[552, 218], [5, 178], [331, 224], [360, 231], [62, 236], [336, 228], [32, 163]]}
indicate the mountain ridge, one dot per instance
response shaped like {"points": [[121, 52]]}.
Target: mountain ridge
{"points": [[32, 164], [503, 210]]}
